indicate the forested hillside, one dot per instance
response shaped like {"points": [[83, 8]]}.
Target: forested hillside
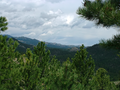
{"points": [[103, 58], [107, 59]]}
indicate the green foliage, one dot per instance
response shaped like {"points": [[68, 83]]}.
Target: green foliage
{"points": [[102, 80], [111, 43], [106, 13], [63, 78], [42, 56], [100, 55], [33, 76], [103, 12], [7, 66], [40, 51], [34, 67], [29, 71], [85, 67], [3, 24]]}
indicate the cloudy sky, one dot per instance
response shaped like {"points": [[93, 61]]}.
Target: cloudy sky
{"points": [[53, 21]]}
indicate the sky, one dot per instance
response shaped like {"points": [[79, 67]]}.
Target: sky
{"points": [[52, 21]]}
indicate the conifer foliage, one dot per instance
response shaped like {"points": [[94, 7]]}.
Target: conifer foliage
{"points": [[62, 78], [84, 66], [3, 24], [7, 65], [101, 81], [106, 13], [29, 71]]}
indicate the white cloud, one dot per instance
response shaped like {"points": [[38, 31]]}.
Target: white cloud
{"points": [[47, 23], [69, 19], [50, 32], [43, 34], [57, 12]]}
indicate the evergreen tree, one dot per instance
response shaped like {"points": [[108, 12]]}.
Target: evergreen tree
{"points": [[3, 24], [101, 81], [105, 13], [8, 68], [29, 71], [61, 78], [42, 56], [84, 66], [35, 67]]}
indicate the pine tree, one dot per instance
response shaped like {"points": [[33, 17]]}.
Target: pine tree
{"points": [[61, 78], [29, 71], [101, 81], [6, 59], [42, 56], [105, 13], [3, 24], [50, 67], [84, 66], [8, 68]]}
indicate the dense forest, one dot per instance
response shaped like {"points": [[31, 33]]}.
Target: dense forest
{"points": [[103, 58]]}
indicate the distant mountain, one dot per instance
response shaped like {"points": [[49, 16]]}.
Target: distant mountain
{"points": [[8, 36], [22, 46], [51, 45]]}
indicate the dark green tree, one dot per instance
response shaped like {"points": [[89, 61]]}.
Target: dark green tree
{"points": [[35, 67], [61, 78], [101, 81], [8, 68], [43, 56], [3, 24], [7, 65], [84, 66], [105, 13], [29, 71]]}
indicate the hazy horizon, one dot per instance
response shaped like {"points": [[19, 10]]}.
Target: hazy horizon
{"points": [[47, 42]]}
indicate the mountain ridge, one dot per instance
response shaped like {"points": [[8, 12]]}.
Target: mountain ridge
{"points": [[48, 44]]}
